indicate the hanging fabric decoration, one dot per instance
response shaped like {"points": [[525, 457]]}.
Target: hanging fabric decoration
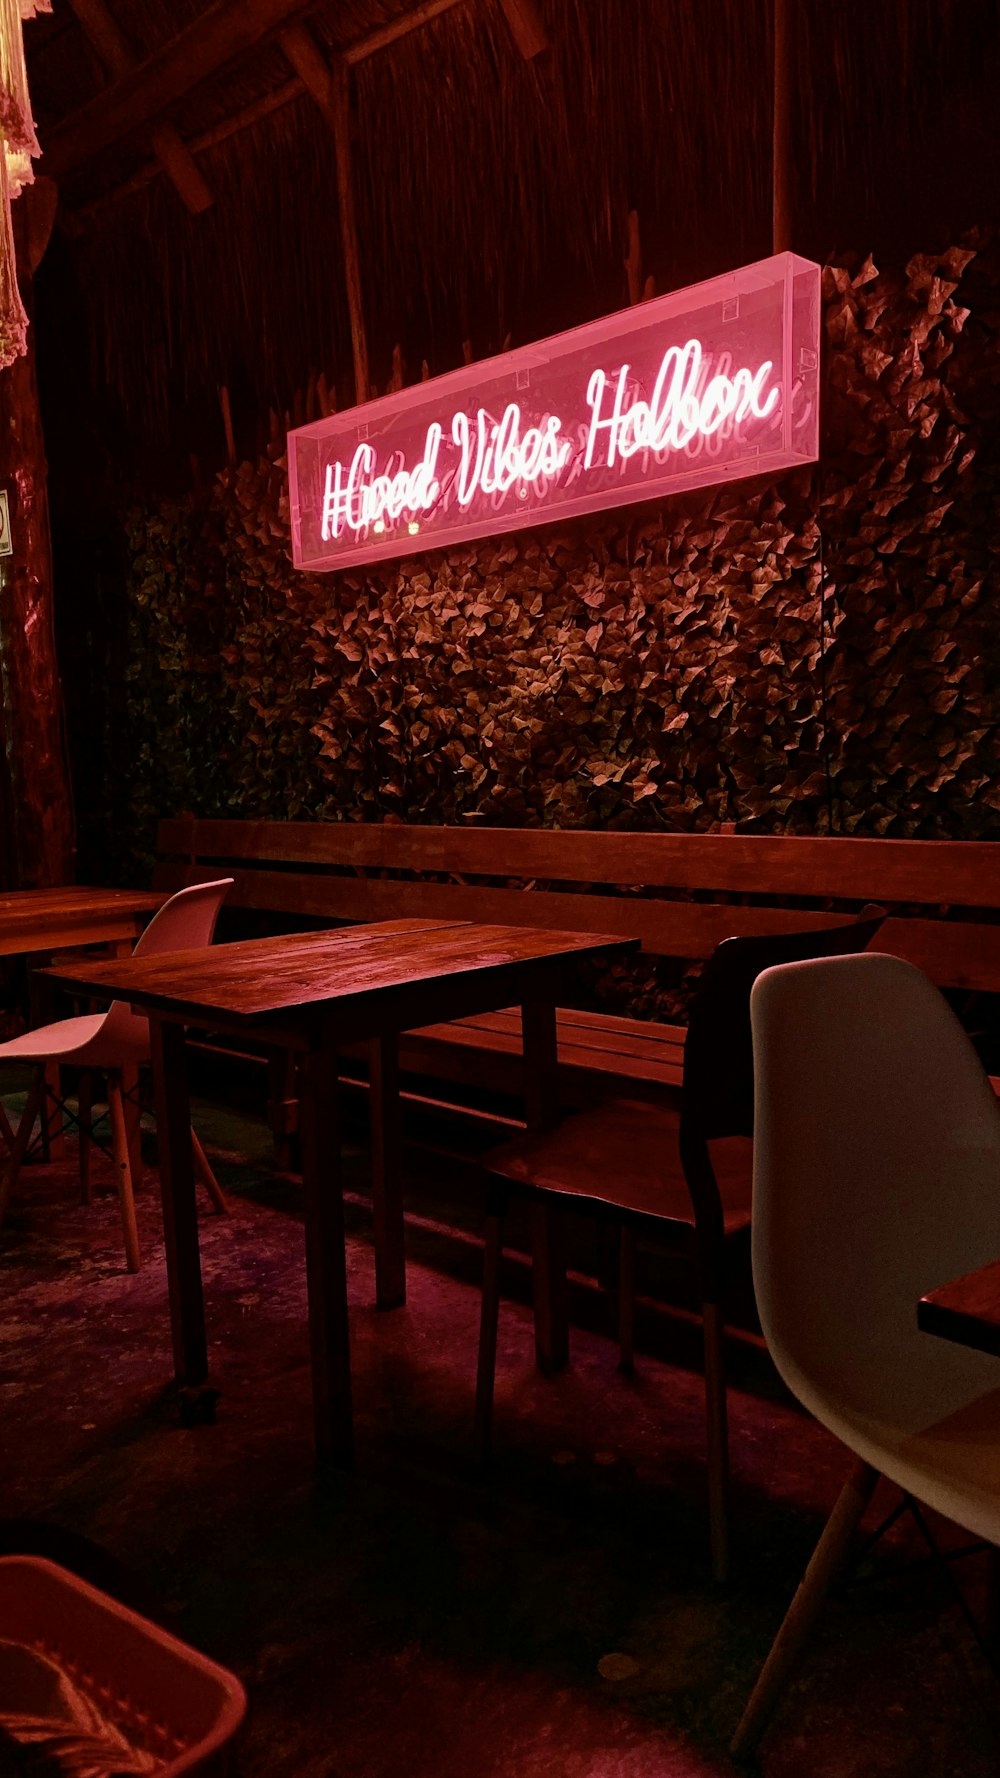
{"points": [[18, 147]]}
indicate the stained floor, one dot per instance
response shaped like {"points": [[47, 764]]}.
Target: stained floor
{"points": [[555, 1619]]}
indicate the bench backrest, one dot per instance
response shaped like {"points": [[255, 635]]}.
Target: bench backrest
{"points": [[681, 894]]}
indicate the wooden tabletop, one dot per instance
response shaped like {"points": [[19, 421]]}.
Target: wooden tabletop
{"points": [[44, 919], [369, 975], [966, 1310]]}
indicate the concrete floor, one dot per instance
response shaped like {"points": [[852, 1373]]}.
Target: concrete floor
{"points": [[413, 1620]]}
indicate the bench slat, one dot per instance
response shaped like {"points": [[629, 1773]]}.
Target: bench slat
{"points": [[666, 928], [639, 1041], [457, 1052], [956, 873], [358, 872]]}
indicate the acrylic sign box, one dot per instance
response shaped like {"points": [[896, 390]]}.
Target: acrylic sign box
{"points": [[704, 385]]}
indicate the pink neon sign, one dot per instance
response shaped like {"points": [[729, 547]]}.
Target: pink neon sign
{"points": [[704, 385]]}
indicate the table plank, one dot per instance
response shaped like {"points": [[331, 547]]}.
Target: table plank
{"points": [[50, 919], [966, 1310], [265, 978]]}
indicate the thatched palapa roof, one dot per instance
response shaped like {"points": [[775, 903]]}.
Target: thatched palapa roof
{"points": [[492, 186]]}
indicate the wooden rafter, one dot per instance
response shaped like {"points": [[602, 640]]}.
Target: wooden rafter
{"points": [[331, 90], [363, 47], [142, 92], [282, 95], [781, 153], [225, 31], [526, 27], [172, 156]]}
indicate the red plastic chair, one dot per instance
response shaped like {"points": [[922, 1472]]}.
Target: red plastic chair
{"points": [[99, 1689]]}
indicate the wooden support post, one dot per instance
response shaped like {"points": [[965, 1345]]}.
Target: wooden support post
{"points": [[633, 259], [36, 847], [331, 89], [781, 152], [175, 159]]}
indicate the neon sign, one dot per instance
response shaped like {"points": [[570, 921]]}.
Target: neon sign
{"points": [[704, 385]]}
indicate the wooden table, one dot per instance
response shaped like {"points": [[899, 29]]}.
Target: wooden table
{"points": [[313, 993], [50, 920], [966, 1310], [39, 922]]}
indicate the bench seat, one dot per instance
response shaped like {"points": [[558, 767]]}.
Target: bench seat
{"points": [[679, 893], [595, 1049]]}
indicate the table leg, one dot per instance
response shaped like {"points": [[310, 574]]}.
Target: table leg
{"points": [[180, 1215], [326, 1259], [541, 1092], [387, 1172]]}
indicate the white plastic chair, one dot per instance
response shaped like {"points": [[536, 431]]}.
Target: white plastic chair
{"points": [[117, 1043], [876, 1179]]}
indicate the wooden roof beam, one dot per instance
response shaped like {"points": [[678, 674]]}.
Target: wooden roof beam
{"points": [[526, 27], [225, 31], [330, 87], [353, 53], [175, 159], [408, 21]]}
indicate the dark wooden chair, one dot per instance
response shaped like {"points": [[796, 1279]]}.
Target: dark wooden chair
{"points": [[684, 1169]]}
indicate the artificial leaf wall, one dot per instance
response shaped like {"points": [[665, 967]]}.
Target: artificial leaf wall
{"points": [[818, 650]]}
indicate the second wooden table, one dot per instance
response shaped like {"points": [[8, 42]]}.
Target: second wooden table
{"points": [[315, 993]]}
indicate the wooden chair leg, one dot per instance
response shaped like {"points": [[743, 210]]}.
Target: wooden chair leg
{"points": [[488, 1323], [22, 1136], [717, 1438], [123, 1167], [132, 1108], [827, 1558], [992, 1622], [203, 1173], [6, 1132], [52, 1132], [85, 1111], [626, 1298]]}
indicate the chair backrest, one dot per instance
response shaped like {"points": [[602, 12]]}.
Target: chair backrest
{"points": [[184, 923], [718, 1049], [717, 1093], [876, 1178]]}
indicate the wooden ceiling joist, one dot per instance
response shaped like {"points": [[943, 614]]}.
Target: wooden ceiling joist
{"points": [[408, 21], [74, 140], [330, 88], [172, 156], [225, 31], [526, 27]]}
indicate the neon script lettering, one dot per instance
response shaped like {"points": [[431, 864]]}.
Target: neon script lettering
{"points": [[680, 408], [494, 456], [689, 389]]}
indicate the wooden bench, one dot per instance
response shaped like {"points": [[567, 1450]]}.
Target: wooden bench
{"points": [[681, 894]]}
